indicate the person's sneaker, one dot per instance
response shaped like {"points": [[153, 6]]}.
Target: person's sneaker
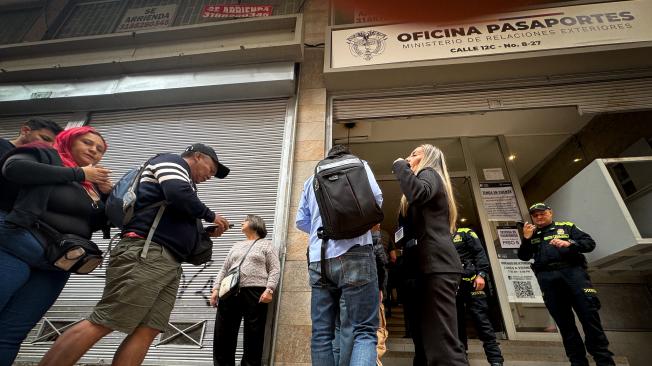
{"points": [[496, 364]]}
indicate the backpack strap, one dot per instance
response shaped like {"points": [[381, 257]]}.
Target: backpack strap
{"points": [[133, 191], [245, 256], [152, 229], [322, 260]]}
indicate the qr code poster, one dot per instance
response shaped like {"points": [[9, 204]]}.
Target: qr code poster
{"points": [[520, 281]]}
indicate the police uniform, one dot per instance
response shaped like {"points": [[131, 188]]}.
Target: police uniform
{"points": [[566, 286], [474, 260]]}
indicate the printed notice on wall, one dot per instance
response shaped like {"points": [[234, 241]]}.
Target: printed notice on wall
{"points": [[500, 202], [493, 174], [508, 237], [147, 18], [520, 281]]}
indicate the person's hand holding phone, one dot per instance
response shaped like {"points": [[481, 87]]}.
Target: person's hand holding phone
{"points": [[528, 230], [221, 225]]}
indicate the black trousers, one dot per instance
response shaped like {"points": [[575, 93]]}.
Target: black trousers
{"points": [[568, 289], [475, 302], [430, 310], [227, 323]]}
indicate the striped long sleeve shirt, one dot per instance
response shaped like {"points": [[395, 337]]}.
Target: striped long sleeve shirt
{"points": [[167, 178]]}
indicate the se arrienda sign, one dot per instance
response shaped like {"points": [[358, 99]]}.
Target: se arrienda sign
{"points": [[236, 11], [543, 29]]}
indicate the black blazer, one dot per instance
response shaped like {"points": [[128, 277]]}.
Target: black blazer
{"points": [[427, 219]]}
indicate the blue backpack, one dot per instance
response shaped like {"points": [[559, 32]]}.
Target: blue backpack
{"points": [[121, 201]]}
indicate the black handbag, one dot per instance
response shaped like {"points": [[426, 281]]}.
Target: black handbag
{"points": [[230, 284], [203, 251], [69, 252]]}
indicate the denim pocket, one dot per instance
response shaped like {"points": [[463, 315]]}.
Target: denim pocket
{"points": [[314, 273], [356, 268]]}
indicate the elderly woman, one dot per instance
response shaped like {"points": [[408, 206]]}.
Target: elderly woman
{"points": [[61, 187], [427, 219], [259, 274]]}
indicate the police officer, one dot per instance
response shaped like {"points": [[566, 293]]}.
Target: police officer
{"points": [[471, 294], [560, 268]]}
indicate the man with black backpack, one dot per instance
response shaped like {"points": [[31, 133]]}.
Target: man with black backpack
{"points": [[339, 205], [145, 266]]}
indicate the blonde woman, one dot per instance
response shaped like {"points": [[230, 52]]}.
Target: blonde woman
{"points": [[426, 220]]}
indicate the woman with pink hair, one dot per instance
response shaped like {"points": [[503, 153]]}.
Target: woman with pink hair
{"points": [[62, 187]]}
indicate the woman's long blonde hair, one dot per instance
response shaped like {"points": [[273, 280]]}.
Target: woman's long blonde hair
{"points": [[434, 158]]}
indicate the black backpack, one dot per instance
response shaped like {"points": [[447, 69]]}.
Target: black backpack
{"points": [[346, 202]]}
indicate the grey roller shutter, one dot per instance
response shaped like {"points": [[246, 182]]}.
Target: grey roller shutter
{"points": [[9, 126], [588, 97], [248, 137]]}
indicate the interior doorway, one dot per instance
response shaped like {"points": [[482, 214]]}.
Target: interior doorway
{"points": [[487, 153]]}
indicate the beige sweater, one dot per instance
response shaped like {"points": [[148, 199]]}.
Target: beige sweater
{"points": [[261, 268]]}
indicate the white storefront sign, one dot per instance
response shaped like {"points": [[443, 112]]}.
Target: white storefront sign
{"points": [[542, 29], [500, 202], [147, 18], [522, 285]]}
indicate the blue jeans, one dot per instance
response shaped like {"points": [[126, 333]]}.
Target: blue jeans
{"points": [[28, 288], [352, 290]]}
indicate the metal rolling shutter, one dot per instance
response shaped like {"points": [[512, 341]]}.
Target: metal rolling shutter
{"points": [[9, 126], [590, 97], [248, 137]]}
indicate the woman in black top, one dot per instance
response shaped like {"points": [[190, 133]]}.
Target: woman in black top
{"points": [[426, 220], [61, 187]]}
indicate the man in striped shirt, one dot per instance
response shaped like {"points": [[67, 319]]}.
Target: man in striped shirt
{"points": [[142, 282]]}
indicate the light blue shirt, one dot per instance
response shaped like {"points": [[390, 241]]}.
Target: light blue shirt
{"points": [[309, 220]]}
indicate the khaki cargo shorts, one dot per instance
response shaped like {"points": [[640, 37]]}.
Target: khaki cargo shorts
{"points": [[138, 292]]}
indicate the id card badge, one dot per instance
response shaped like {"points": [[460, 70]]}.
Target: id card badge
{"points": [[398, 235]]}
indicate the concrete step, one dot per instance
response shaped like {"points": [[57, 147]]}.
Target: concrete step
{"points": [[516, 353]]}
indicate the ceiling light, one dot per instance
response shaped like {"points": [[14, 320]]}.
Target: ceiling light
{"points": [[512, 157], [463, 219], [577, 160]]}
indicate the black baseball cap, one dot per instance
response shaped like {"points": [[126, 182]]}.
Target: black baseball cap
{"points": [[222, 170], [540, 206]]}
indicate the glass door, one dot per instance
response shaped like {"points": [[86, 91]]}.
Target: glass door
{"points": [[497, 194]]}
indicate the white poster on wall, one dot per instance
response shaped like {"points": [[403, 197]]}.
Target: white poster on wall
{"points": [[508, 237], [542, 29], [500, 202], [150, 17], [493, 174], [522, 285]]}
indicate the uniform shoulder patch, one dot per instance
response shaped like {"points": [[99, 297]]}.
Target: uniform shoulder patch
{"points": [[463, 230], [473, 234]]}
